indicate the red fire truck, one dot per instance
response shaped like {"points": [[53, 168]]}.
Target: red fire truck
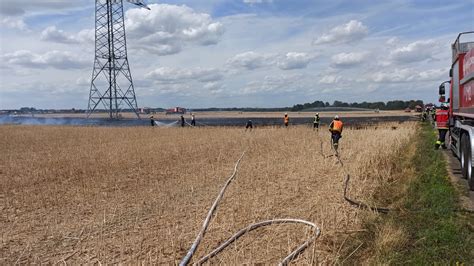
{"points": [[461, 103]]}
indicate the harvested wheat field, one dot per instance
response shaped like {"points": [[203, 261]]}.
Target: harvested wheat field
{"points": [[140, 195]]}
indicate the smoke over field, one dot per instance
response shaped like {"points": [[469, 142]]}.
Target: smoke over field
{"points": [[140, 194]]}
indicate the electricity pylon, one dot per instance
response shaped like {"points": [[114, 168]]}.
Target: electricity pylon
{"points": [[111, 84]]}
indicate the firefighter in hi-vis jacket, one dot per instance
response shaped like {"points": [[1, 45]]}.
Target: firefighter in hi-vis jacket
{"points": [[441, 118], [286, 120], [336, 131]]}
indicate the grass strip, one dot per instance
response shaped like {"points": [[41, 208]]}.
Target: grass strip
{"points": [[425, 226]]}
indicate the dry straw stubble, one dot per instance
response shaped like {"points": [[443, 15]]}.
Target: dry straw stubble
{"points": [[111, 195]]}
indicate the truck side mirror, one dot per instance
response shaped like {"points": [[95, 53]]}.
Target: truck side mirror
{"points": [[442, 90], [451, 73]]}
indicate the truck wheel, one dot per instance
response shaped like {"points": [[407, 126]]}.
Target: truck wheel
{"points": [[464, 155], [469, 166]]}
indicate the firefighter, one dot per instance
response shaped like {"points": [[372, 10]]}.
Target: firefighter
{"points": [[424, 115], [336, 131], [182, 121], [193, 120], [441, 119], [316, 121], [249, 125], [152, 121], [286, 120]]}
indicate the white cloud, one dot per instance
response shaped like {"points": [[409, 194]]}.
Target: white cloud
{"points": [[294, 60], [414, 52], [53, 34], [392, 41], [251, 60], [408, 75], [51, 59], [175, 89], [181, 75], [330, 79], [214, 87], [348, 59], [166, 29], [13, 23], [352, 31], [273, 84], [83, 81], [85, 36]]}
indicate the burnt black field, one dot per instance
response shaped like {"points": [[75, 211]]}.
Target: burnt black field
{"points": [[232, 122]]}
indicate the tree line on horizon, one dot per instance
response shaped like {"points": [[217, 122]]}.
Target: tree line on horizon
{"points": [[390, 105]]}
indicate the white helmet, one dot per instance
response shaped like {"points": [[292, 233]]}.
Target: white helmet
{"points": [[317, 113], [336, 117]]}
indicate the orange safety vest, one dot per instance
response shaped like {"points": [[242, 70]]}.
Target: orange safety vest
{"points": [[286, 119], [337, 126], [442, 117]]}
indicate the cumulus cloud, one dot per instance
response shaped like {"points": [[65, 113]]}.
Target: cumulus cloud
{"points": [[294, 60], [250, 60], [347, 59], [330, 79], [51, 59], [83, 81], [183, 90], [408, 75], [392, 41], [52, 34], [181, 75], [13, 23], [166, 29], [352, 31], [414, 52], [214, 87], [273, 84]]}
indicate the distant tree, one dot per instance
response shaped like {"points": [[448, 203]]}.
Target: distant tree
{"points": [[396, 105], [390, 105]]}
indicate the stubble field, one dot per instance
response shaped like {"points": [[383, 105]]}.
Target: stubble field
{"points": [[140, 195]]}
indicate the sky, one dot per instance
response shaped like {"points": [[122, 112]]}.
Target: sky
{"points": [[235, 53]]}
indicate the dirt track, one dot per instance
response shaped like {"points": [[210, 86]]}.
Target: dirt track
{"points": [[454, 169]]}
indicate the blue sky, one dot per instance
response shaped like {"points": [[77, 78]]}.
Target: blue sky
{"points": [[240, 53]]}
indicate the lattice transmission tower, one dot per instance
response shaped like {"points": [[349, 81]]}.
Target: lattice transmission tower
{"points": [[112, 83]]}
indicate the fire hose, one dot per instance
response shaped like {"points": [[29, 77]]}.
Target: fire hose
{"points": [[245, 230], [355, 203], [254, 226]]}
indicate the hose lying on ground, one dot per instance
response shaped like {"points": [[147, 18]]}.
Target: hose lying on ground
{"points": [[243, 231], [252, 227], [209, 216], [360, 204], [357, 204]]}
